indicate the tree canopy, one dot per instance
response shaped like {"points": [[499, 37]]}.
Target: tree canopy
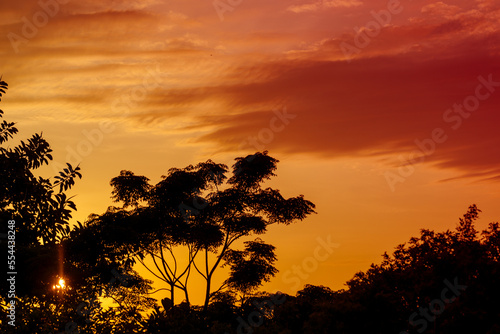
{"points": [[44, 251], [202, 211]]}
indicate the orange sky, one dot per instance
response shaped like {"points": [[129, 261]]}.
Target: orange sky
{"points": [[344, 93]]}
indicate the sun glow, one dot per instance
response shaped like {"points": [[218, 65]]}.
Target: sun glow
{"points": [[61, 284]]}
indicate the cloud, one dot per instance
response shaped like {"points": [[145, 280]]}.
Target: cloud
{"points": [[380, 104], [221, 83], [323, 4], [440, 9]]}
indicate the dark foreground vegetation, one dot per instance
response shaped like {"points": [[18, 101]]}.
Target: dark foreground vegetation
{"points": [[438, 282]]}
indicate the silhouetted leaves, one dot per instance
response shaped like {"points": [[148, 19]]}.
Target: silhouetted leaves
{"points": [[250, 171], [3, 88], [250, 267], [7, 130], [66, 178], [129, 188], [193, 208], [41, 226]]}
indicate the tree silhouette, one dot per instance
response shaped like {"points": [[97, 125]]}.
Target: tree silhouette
{"points": [[46, 250], [41, 215], [439, 282], [199, 210], [251, 266]]}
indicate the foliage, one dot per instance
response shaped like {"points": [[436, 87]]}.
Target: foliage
{"points": [[197, 210], [45, 250], [41, 214], [392, 297], [129, 188], [250, 267]]}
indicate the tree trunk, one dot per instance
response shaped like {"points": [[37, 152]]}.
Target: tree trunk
{"points": [[187, 295], [172, 287], [207, 294]]}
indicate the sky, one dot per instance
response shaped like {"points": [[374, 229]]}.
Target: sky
{"points": [[382, 113]]}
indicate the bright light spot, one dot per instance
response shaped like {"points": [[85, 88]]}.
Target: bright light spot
{"points": [[61, 285]]}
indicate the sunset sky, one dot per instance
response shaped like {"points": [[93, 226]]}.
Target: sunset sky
{"points": [[385, 114]]}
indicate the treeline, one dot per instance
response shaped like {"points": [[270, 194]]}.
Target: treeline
{"points": [[445, 282]]}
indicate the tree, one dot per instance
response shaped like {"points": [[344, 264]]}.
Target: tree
{"points": [[35, 214], [36, 211], [251, 266], [40, 213], [438, 282], [198, 210], [410, 290]]}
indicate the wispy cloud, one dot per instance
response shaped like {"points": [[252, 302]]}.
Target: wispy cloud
{"points": [[323, 4]]}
